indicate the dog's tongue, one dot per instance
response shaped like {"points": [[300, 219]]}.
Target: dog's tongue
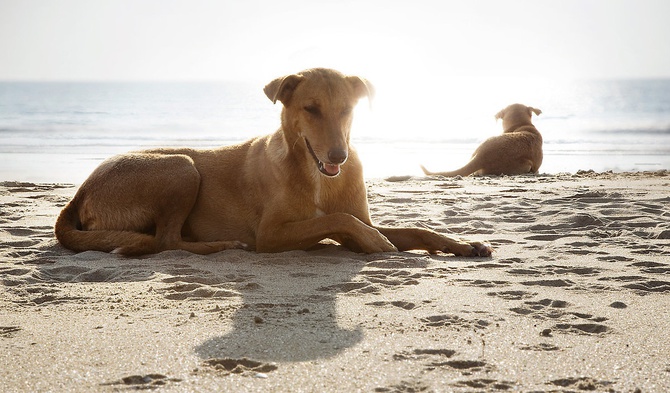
{"points": [[331, 169]]}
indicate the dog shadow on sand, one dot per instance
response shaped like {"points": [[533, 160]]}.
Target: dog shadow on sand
{"points": [[270, 307], [289, 308]]}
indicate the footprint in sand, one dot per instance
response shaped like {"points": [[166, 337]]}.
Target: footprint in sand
{"points": [[12, 272], [554, 270], [581, 383], [187, 273], [391, 278], [27, 285], [542, 309], [55, 299], [646, 287], [454, 321], [195, 291], [423, 354], [435, 358], [243, 366], [614, 258], [76, 273], [553, 309], [143, 382], [405, 386], [546, 237], [487, 384], [540, 347], [653, 267], [513, 295], [482, 283], [582, 328], [462, 364], [567, 225], [549, 283], [353, 286], [400, 304], [650, 249], [490, 265]]}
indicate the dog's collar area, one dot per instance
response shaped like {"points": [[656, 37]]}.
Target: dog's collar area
{"points": [[329, 170]]}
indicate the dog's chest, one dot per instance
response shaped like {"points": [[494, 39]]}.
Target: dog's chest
{"points": [[318, 201], [323, 201]]}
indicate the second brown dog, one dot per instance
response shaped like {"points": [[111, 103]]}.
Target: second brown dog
{"points": [[517, 151]]}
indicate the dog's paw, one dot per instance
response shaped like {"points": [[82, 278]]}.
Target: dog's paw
{"points": [[470, 249], [377, 243], [237, 245], [380, 247], [227, 245], [481, 249]]}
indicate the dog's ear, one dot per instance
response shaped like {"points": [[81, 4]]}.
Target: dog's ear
{"points": [[362, 87], [534, 110], [500, 114], [282, 88]]}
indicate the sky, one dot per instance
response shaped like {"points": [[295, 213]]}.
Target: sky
{"points": [[407, 42]]}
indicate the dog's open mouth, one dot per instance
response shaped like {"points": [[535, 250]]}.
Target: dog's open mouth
{"points": [[325, 168]]}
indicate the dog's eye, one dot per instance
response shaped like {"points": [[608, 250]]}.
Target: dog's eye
{"points": [[312, 110]]}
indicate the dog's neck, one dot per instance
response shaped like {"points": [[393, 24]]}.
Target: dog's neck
{"points": [[290, 148], [528, 131], [519, 127]]}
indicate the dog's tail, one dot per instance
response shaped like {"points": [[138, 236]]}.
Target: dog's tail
{"points": [[69, 233], [471, 167]]}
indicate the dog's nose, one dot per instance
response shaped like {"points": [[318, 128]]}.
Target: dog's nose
{"points": [[337, 156]]}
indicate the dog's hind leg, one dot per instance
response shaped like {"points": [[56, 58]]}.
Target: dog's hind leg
{"points": [[511, 167], [176, 203], [169, 236]]}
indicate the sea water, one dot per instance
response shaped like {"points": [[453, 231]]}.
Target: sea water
{"points": [[60, 131]]}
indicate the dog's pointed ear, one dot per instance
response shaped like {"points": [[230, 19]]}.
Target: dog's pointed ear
{"points": [[362, 87], [535, 110], [282, 88]]}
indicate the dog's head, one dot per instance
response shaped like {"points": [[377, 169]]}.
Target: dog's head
{"points": [[516, 115], [318, 111]]}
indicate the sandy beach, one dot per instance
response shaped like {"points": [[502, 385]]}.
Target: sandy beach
{"points": [[575, 298]]}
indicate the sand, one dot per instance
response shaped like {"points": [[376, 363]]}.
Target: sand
{"points": [[575, 298]]}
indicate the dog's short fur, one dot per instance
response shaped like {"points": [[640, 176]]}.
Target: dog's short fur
{"points": [[284, 191], [517, 151]]}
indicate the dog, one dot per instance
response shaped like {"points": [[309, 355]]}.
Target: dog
{"points": [[517, 151], [285, 191]]}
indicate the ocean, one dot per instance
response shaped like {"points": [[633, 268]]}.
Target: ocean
{"points": [[60, 131]]}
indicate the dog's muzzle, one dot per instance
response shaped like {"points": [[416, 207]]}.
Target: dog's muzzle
{"points": [[337, 157]]}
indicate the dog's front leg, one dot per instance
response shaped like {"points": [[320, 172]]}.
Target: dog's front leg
{"points": [[276, 237], [431, 241]]}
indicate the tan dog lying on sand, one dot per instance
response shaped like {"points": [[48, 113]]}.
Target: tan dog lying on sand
{"points": [[517, 151], [284, 191]]}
